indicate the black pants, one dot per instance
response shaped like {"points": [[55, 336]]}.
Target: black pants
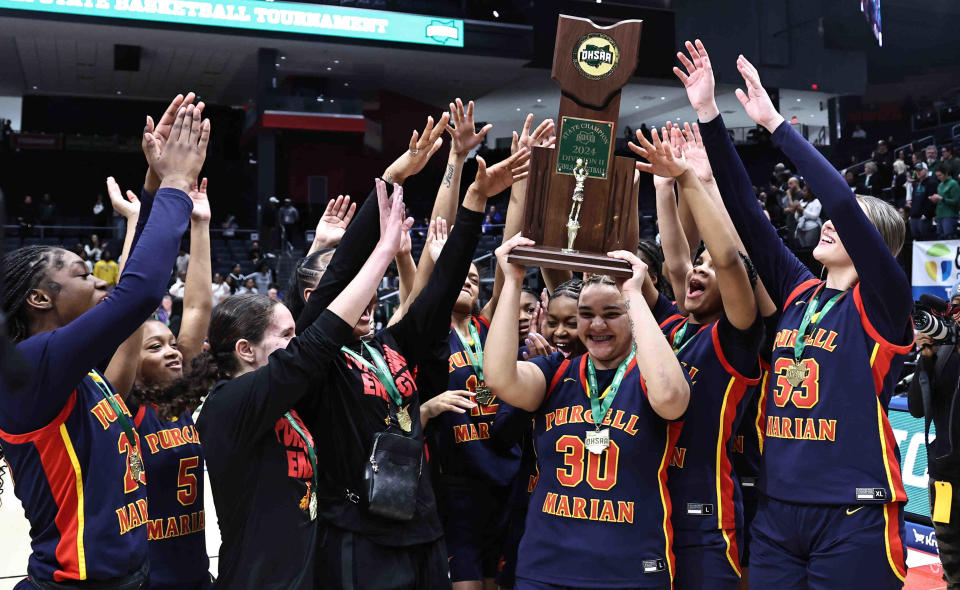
{"points": [[348, 561], [948, 539]]}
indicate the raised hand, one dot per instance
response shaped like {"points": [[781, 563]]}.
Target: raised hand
{"points": [[755, 100], [659, 154], [179, 162], [334, 221], [537, 345], [128, 207], [691, 145], [463, 134], [201, 205], [698, 80], [437, 235], [637, 267], [495, 179], [392, 223], [421, 149], [543, 136], [511, 271]]}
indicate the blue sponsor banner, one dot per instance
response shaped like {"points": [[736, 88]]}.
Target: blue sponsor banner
{"points": [[255, 15], [936, 267], [908, 432], [921, 538]]}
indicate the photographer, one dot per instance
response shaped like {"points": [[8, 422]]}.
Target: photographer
{"points": [[941, 363]]}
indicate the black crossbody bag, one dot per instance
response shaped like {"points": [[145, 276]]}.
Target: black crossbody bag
{"points": [[392, 476]]}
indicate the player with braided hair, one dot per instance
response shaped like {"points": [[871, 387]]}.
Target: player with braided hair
{"points": [[68, 425]]}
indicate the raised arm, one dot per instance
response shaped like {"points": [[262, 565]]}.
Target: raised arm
{"points": [[428, 320], [518, 383], [779, 269], [197, 303], [668, 390], [361, 235], [543, 136], [739, 304], [676, 250], [68, 353], [883, 284]]}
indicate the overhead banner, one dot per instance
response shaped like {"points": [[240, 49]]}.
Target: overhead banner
{"points": [[936, 267], [256, 15]]}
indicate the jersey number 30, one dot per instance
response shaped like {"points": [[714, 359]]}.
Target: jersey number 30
{"points": [[806, 394], [576, 457]]}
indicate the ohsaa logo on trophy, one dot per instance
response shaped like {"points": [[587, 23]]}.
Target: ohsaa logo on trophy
{"points": [[596, 56]]}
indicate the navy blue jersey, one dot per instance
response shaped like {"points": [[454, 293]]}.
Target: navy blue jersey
{"points": [[173, 459], [86, 511], [463, 446], [834, 422], [722, 363], [599, 521]]}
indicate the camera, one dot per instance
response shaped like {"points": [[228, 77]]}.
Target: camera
{"points": [[931, 317]]}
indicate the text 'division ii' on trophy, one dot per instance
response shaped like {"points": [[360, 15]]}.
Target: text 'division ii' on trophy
{"points": [[580, 201]]}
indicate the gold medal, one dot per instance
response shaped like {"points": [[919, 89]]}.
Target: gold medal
{"points": [[796, 373], [136, 465], [403, 419], [484, 395]]}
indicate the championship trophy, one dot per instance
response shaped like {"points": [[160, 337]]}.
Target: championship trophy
{"points": [[580, 201]]}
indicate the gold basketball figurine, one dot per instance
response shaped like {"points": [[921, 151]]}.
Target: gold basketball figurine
{"points": [[573, 220]]}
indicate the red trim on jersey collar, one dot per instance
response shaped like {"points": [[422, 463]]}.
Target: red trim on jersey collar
{"points": [[141, 412], [715, 335], [583, 374], [557, 376], [43, 431], [798, 290], [479, 319], [674, 317]]}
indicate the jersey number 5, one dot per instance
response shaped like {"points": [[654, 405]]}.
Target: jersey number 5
{"points": [[806, 394], [187, 480], [574, 458]]}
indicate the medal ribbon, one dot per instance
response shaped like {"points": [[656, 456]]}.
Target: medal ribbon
{"points": [[678, 337], [121, 416], [474, 354], [379, 369], [600, 407], [811, 318], [308, 441]]}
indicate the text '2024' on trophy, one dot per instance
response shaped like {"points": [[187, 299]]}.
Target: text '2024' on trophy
{"points": [[581, 202]]}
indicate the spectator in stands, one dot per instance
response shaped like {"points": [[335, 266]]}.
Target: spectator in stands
{"points": [[933, 162], [947, 199], [48, 210], [231, 284], [178, 286], [272, 293], [922, 209], [858, 133], [183, 260], [870, 183], [884, 159], [851, 179], [788, 201], [107, 269], [495, 215], [237, 275], [249, 286], [219, 289], [255, 252], [82, 253], [165, 310], [951, 163], [27, 216], [263, 278], [900, 183], [93, 248], [101, 212], [289, 219], [762, 197], [807, 214], [268, 223]]}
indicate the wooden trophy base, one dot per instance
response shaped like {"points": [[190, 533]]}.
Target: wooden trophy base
{"points": [[586, 262]]}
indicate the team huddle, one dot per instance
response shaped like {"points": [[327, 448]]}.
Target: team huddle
{"points": [[715, 420]]}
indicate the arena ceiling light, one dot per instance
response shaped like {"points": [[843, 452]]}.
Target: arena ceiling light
{"points": [[254, 15]]}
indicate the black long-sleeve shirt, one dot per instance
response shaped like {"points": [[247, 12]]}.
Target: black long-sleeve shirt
{"points": [[353, 406], [944, 373], [259, 468]]}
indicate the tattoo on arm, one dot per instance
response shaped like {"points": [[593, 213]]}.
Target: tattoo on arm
{"points": [[633, 331], [449, 176]]}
